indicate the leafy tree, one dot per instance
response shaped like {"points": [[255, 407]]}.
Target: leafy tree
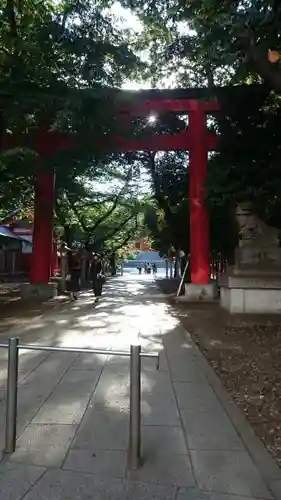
{"points": [[247, 165], [98, 219], [214, 40], [159, 229], [57, 58], [168, 221], [213, 43], [130, 256]]}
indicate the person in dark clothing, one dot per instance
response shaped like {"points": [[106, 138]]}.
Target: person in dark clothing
{"points": [[98, 277], [74, 268]]}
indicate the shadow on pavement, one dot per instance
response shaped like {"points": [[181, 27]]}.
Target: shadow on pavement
{"points": [[74, 409]]}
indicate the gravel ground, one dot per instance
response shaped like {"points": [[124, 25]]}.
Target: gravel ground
{"points": [[246, 354]]}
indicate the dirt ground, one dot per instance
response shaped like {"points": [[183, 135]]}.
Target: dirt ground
{"points": [[245, 352], [16, 312]]}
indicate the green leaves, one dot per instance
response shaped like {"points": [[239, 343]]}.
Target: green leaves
{"points": [[167, 218], [247, 168], [101, 215], [57, 59]]}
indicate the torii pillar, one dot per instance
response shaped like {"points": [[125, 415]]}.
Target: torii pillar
{"points": [[200, 287], [43, 228], [42, 251]]}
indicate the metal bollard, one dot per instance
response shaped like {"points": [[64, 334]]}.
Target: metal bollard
{"points": [[134, 458], [12, 396], [158, 362]]}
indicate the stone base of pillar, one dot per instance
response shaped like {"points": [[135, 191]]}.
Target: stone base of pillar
{"points": [[259, 294], [200, 293], [40, 292]]}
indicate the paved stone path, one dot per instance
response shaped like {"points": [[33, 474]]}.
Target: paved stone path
{"points": [[73, 412]]}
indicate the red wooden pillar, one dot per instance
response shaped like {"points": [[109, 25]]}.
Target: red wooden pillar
{"points": [[43, 228], [199, 221]]}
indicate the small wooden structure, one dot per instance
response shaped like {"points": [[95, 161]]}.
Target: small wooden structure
{"points": [[16, 249]]}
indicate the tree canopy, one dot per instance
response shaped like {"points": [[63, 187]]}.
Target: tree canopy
{"points": [[215, 41], [99, 219], [58, 62], [208, 43], [61, 60]]}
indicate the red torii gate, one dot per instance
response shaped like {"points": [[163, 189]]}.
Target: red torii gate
{"points": [[196, 138]]}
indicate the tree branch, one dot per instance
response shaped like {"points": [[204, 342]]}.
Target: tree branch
{"points": [[107, 214], [10, 10], [116, 229], [161, 199], [80, 219], [115, 203], [127, 239], [128, 232]]}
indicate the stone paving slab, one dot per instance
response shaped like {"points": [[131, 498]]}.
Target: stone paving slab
{"points": [[88, 362], [159, 405], [28, 362], [185, 370], [230, 472], [187, 494], [275, 487], [109, 463], [102, 429], [49, 373], [122, 365], [162, 440], [64, 485], [210, 430], [165, 469], [3, 376], [158, 410], [45, 445], [35, 388], [195, 396], [17, 479], [68, 402], [112, 391]]}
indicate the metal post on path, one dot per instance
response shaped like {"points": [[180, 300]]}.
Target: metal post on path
{"points": [[134, 458], [12, 396]]}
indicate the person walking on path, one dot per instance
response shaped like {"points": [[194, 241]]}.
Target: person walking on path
{"points": [[98, 277], [74, 272]]}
